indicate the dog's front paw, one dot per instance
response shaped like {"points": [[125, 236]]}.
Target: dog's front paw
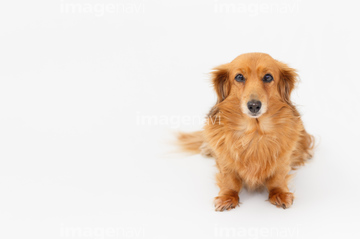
{"points": [[225, 202], [281, 199]]}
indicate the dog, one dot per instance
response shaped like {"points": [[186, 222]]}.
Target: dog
{"points": [[254, 131]]}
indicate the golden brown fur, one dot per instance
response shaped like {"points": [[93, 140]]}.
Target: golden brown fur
{"points": [[252, 151]]}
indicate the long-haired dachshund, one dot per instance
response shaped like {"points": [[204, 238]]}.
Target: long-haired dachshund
{"points": [[254, 131]]}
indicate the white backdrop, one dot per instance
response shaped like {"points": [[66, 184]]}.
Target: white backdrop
{"points": [[92, 90]]}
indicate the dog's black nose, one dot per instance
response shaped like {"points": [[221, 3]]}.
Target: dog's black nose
{"points": [[254, 106]]}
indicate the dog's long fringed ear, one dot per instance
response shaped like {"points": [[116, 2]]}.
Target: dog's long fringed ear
{"points": [[288, 79], [220, 80]]}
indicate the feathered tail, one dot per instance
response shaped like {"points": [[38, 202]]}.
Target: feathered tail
{"points": [[191, 142], [194, 143]]}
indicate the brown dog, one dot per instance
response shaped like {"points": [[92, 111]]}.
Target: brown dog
{"points": [[254, 131]]}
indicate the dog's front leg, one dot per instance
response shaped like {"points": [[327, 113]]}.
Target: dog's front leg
{"points": [[277, 186], [230, 185]]}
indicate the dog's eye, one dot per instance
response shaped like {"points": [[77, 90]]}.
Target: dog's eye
{"points": [[239, 78], [268, 78]]}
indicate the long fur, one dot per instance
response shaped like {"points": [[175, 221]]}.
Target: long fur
{"points": [[252, 152], [191, 142]]}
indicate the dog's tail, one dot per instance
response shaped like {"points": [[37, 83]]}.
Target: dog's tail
{"points": [[190, 142]]}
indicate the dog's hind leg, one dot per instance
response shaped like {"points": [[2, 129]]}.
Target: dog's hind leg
{"points": [[303, 150]]}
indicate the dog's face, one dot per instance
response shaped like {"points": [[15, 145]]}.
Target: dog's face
{"points": [[254, 80]]}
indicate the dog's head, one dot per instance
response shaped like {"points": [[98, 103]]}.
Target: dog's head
{"points": [[254, 79]]}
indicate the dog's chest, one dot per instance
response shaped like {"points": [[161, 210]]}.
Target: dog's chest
{"points": [[255, 156]]}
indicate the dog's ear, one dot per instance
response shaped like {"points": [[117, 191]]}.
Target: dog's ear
{"points": [[220, 80], [288, 79]]}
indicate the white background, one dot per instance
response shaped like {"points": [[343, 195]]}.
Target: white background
{"points": [[79, 158]]}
